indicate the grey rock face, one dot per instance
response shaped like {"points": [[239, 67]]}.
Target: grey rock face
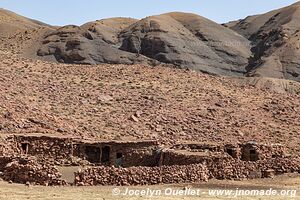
{"points": [[184, 40]]}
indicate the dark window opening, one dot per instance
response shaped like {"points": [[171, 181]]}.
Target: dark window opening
{"points": [[119, 160], [24, 147], [249, 154], [253, 155], [92, 154], [119, 155], [105, 155]]}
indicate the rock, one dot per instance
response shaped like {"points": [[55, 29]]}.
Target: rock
{"points": [[27, 170], [183, 41], [134, 118], [275, 43], [138, 113], [81, 46]]}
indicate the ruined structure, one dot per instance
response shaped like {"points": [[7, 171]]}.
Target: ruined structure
{"points": [[138, 162]]}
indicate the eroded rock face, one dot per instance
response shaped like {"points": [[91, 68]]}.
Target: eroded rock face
{"points": [[73, 44], [188, 41], [184, 40], [276, 42], [180, 39]]}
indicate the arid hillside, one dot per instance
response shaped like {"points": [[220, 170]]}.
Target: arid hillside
{"points": [[140, 102], [276, 42], [118, 78], [19, 34], [265, 45]]}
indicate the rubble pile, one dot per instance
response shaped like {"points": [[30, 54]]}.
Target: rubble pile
{"points": [[27, 170], [141, 175]]}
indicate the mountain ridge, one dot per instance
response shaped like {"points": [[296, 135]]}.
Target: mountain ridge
{"points": [[264, 45]]}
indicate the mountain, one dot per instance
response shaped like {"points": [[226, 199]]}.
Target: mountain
{"points": [[52, 81], [20, 34], [184, 40], [275, 38], [11, 22], [265, 45], [91, 43], [188, 41]]}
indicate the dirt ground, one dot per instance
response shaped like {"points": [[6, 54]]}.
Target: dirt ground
{"points": [[286, 182]]}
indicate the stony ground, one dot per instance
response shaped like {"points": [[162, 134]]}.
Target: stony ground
{"points": [[16, 192], [140, 102]]}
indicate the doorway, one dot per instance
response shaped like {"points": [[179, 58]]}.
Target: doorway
{"points": [[92, 154], [105, 158]]}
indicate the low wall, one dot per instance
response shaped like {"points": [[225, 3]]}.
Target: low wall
{"points": [[141, 175], [237, 169], [175, 157], [28, 170], [219, 168]]}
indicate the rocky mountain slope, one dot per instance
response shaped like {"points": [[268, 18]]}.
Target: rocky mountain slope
{"points": [[140, 102], [184, 40], [275, 37], [129, 99], [19, 34], [188, 41], [264, 45], [11, 22]]}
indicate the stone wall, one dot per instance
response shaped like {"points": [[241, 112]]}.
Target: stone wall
{"points": [[8, 146], [44, 147], [28, 170], [142, 153], [184, 157], [272, 151], [218, 168], [141, 175], [72, 151], [237, 169]]}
